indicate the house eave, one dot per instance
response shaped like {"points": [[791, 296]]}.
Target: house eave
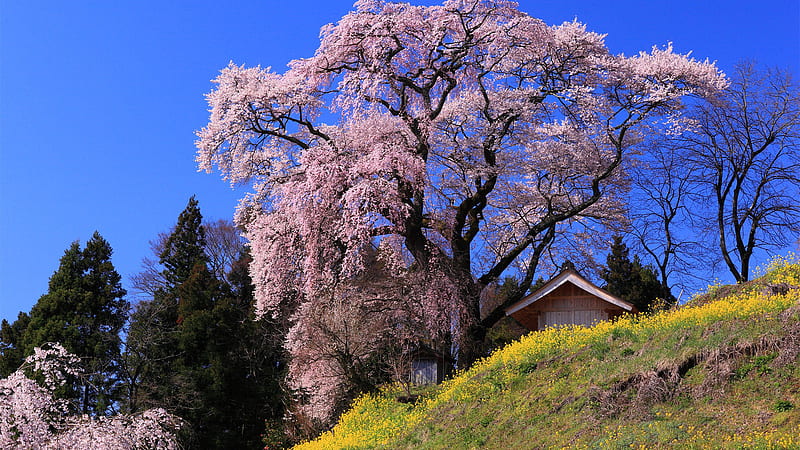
{"points": [[573, 277]]}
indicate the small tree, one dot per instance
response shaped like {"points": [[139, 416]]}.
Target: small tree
{"points": [[631, 280], [84, 309], [336, 355], [32, 416]]}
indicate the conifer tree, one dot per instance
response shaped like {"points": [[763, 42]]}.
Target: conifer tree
{"points": [[157, 338], [84, 310], [618, 273], [11, 352], [631, 280], [249, 359], [195, 349], [185, 246]]}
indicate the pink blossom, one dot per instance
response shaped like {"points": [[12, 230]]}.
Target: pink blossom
{"points": [[31, 418]]}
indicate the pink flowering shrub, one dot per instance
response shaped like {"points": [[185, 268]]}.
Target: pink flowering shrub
{"points": [[32, 418]]}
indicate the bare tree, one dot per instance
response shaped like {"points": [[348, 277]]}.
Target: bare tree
{"points": [[661, 214], [146, 283], [224, 245], [746, 148]]}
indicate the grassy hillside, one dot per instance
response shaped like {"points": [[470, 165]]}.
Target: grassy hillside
{"points": [[722, 372]]}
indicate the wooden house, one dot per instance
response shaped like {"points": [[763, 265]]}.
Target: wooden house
{"points": [[567, 299], [427, 366]]}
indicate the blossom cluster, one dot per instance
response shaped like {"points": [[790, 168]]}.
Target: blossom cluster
{"points": [[31, 417]]}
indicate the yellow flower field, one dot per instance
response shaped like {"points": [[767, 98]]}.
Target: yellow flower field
{"points": [[376, 421]]}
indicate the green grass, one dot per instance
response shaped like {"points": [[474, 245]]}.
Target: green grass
{"points": [[720, 373]]}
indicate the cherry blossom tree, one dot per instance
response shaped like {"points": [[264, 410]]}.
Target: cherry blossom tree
{"points": [[348, 340], [467, 136], [31, 417], [335, 351]]}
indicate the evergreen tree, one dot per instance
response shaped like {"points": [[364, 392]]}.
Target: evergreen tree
{"points": [[247, 360], [185, 246], [84, 310], [618, 273], [105, 311], [11, 351], [632, 281], [158, 345], [195, 349]]}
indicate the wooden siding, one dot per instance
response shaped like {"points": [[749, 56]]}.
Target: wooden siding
{"points": [[568, 304], [424, 371], [578, 317]]}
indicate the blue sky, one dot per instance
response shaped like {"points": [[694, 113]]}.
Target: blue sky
{"points": [[99, 101]]}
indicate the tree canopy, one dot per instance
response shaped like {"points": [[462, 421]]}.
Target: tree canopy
{"points": [[84, 309], [193, 345]]}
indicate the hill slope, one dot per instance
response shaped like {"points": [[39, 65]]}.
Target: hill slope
{"points": [[723, 372]]}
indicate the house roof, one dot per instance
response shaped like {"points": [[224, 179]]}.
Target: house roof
{"points": [[568, 276], [422, 351]]}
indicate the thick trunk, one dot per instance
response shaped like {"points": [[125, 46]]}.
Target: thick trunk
{"points": [[468, 333], [473, 347]]}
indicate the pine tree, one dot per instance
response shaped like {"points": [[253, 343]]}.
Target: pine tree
{"points": [[618, 273], [11, 351], [106, 311], [185, 246], [195, 349], [632, 281], [156, 344], [84, 310]]}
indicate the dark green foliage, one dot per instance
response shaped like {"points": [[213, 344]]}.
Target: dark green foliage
{"points": [[11, 351], [84, 309], [156, 346], [631, 280], [783, 406], [185, 246], [195, 349], [248, 356]]}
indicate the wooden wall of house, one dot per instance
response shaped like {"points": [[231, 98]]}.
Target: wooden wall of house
{"points": [[565, 305], [569, 297], [425, 371], [428, 366]]}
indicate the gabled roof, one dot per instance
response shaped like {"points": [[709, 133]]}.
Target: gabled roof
{"points": [[568, 276]]}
